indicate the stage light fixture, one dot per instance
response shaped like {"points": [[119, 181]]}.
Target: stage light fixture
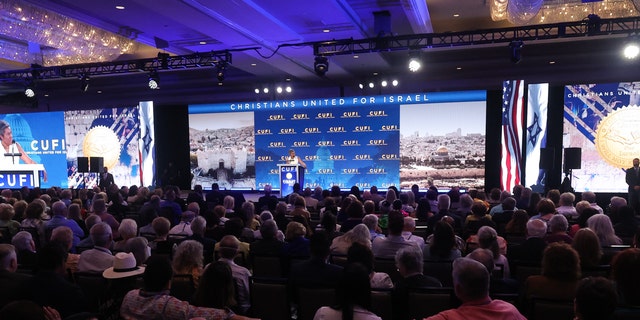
{"points": [[288, 89], [394, 83], [383, 83], [221, 69], [265, 90], [515, 48], [361, 86], [154, 80], [256, 90], [321, 65], [371, 84], [279, 89], [631, 50], [29, 92], [84, 82], [415, 61]]}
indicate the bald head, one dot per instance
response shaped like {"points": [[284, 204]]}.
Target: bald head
{"points": [[229, 246]]}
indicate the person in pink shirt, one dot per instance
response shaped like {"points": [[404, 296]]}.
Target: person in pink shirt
{"points": [[471, 286]]}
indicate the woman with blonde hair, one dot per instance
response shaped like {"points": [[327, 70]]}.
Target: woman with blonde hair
{"points": [[359, 234], [587, 244]]}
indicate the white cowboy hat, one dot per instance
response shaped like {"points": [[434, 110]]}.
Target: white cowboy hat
{"points": [[124, 265]]}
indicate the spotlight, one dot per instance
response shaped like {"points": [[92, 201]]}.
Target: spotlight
{"points": [[631, 50], [265, 90], [371, 85], [279, 89], [154, 80], [288, 89], [29, 93], [84, 82], [383, 83], [516, 50], [415, 61], [256, 90], [221, 70], [361, 86], [321, 65], [394, 83]]}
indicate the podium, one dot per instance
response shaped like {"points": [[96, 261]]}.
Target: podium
{"points": [[290, 174], [16, 176]]}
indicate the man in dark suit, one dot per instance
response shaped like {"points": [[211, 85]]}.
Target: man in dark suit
{"points": [[633, 180], [106, 179]]}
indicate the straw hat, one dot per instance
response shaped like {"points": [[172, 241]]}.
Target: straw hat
{"points": [[124, 265]]}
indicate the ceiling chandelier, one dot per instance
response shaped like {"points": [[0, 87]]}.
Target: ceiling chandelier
{"points": [[524, 12], [30, 34]]}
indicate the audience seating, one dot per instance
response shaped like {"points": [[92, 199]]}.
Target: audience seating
{"points": [[5, 235], [266, 266], [310, 299], [269, 298], [338, 259], [388, 266], [94, 287], [440, 270], [597, 271], [549, 309], [182, 287], [523, 269], [609, 251], [381, 303], [425, 302]]}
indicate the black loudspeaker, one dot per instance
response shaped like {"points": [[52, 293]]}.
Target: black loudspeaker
{"points": [[572, 158], [547, 158], [83, 164], [97, 164]]}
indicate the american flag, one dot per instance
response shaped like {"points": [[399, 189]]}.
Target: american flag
{"points": [[512, 127]]}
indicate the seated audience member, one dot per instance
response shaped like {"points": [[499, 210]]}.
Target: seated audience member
{"points": [[353, 296], [355, 212], [466, 201], [296, 244], [148, 213], [407, 232], [268, 244], [627, 222], [184, 227], [359, 253], [315, 271], [161, 245], [498, 207], [198, 229], [234, 227], [59, 218], [532, 248], [371, 221], [596, 299], [488, 239], [10, 281], [444, 204], [498, 284], [584, 213], [558, 226], [229, 246], [359, 234], [560, 274], [471, 286], [216, 288], [601, 225], [64, 236], [25, 249], [100, 209], [309, 199], [128, 229], [546, 209], [443, 244], [480, 218], [139, 247], [587, 244], [423, 211], [503, 217], [100, 257], [613, 211], [328, 225], [49, 286], [461, 243], [34, 214], [624, 271], [517, 226], [591, 198], [188, 260], [268, 201], [410, 266], [387, 247], [566, 207], [154, 302], [7, 213], [122, 277], [91, 221]]}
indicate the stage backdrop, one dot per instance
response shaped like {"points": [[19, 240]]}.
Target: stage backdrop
{"points": [[344, 141], [604, 121], [42, 137]]}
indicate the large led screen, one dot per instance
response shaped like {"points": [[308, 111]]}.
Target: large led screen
{"points": [[603, 120], [390, 140]]}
